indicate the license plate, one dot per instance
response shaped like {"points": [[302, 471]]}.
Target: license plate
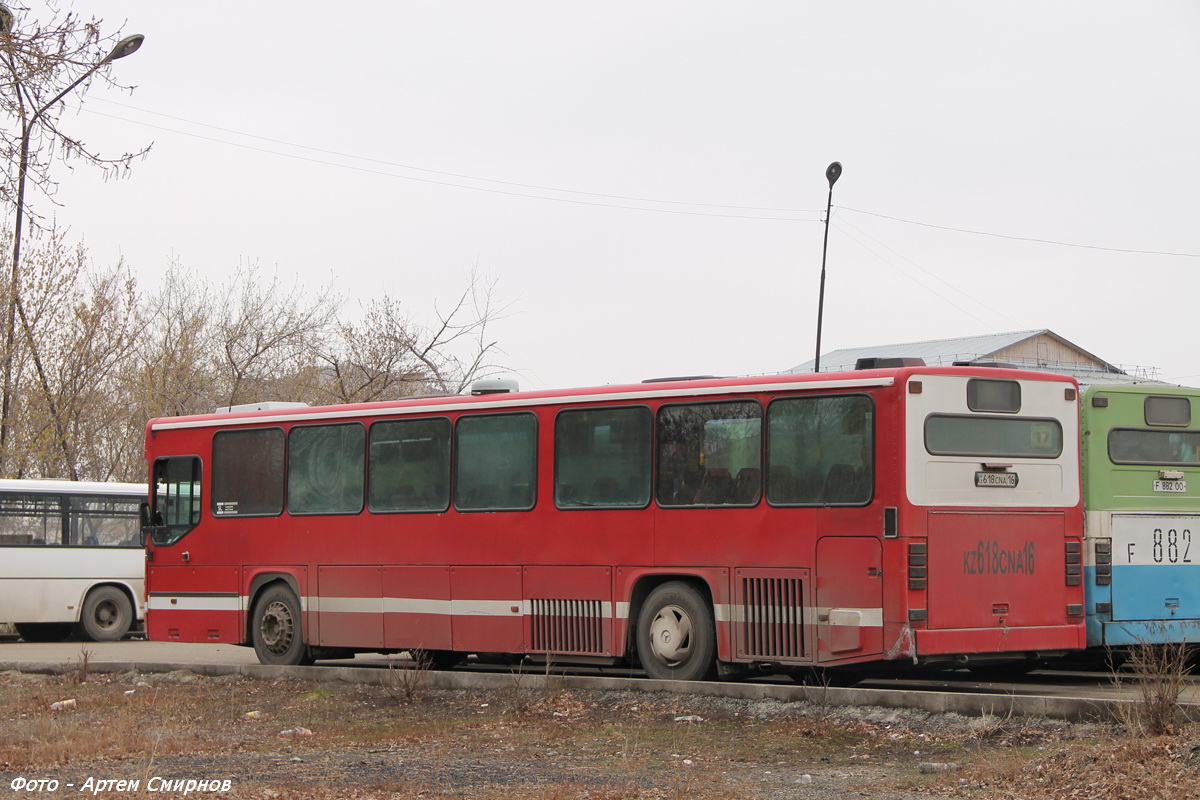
{"points": [[996, 479], [1170, 486]]}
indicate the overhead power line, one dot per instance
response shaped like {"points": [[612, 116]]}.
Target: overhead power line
{"points": [[815, 213], [732, 209], [1020, 238]]}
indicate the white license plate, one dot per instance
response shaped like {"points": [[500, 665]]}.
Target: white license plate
{"points": [[996, 479], [1170, 486]]}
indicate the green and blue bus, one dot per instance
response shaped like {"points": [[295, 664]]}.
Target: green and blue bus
{"points": [[1141, 476]]}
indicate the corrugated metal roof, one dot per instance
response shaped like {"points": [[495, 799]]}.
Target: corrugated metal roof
{"points": [[944, 352], [934, 351]]}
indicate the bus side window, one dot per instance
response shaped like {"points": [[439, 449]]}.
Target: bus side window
{"points": [[820, 451], [31, 519], [248, 472], [495, 462], [408, 465], [325, 469], [602, 458], [705, 449]]}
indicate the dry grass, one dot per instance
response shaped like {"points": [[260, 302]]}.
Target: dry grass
{"points": [[1159, 673], [1158, 768], [546, 743]]}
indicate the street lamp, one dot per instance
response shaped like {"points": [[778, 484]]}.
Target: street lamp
{"points": [[832, 173], [126, 46]]}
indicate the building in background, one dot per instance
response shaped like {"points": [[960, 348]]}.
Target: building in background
{"points": [[1042, 350]]}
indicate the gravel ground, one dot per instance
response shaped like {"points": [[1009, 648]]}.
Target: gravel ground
{"points": [[292, 739]]}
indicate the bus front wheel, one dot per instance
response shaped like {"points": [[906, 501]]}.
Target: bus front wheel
{"points": [[278, 629], [675, 635], [107, 615]]}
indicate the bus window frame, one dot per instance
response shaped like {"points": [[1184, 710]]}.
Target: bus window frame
{"points": [[156, 528], [651, 459], [450, 459], [72, 511], [972, 399], [1146, 402], [1156, 430], [287, 470], [212, 502], [656, 470], [23, 512], [1062, 446], [455, 461], [874, 450]]}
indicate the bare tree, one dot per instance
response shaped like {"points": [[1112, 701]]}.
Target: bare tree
{"points": [[268, 333], [458, 348], [41, 64], [388, 354], [77, 328], [175, 369]]}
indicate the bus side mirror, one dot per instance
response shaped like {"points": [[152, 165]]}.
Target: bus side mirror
{"points": [[147, 522]]}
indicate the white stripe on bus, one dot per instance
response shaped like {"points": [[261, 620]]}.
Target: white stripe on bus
{"points": [[723, 612]]}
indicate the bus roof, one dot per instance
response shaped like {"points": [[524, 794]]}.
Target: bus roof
{"points": [[51, 486], [650, 390]]}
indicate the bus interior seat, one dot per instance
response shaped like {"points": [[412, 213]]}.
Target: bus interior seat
{"points": [[844, 484], [716, 489], [748, 485]]}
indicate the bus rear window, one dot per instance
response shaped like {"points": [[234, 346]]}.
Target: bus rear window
{"points": [[995, 396], [947, 435], [1174, 411], [1134, 446]]}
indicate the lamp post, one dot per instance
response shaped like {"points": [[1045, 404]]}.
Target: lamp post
{"points": [[126, 46], [832, 173]]}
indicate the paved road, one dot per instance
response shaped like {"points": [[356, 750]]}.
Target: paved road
{"points": [[142, 652]]}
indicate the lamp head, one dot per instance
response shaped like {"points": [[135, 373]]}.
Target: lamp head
{"points": [[125, 47], [833, 172]]}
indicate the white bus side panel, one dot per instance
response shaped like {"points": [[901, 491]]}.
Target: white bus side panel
{"points": [[48, 584]]}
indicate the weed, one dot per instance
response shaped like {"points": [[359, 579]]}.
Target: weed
{"points": [[405, 682], [522, 693], [1160, 674], [77, 674]]}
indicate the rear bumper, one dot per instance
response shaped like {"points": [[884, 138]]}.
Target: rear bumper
{"points": [[955, 641]]}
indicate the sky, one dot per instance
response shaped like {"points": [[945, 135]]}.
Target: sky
{"points": [[645, 181]]}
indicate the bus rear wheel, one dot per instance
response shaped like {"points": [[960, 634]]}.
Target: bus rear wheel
{"points": [[278, 630], [44, 631], [107, 615], [675, 636]]}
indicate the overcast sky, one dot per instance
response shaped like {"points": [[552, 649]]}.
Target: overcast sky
{"points": [[646, 180]]}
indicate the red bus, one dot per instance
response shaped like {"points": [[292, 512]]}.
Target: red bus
{"points": [[695, 527]]}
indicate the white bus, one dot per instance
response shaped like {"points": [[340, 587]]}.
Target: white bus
{"points": [[71, 559]]}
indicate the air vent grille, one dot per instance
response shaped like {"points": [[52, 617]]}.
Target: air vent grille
{"points": [[567, 626], [773, 614]]}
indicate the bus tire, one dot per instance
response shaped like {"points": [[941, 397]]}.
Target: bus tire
{"points": [[44, 631], [107, 615], [676, 639], [277, 628]]}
